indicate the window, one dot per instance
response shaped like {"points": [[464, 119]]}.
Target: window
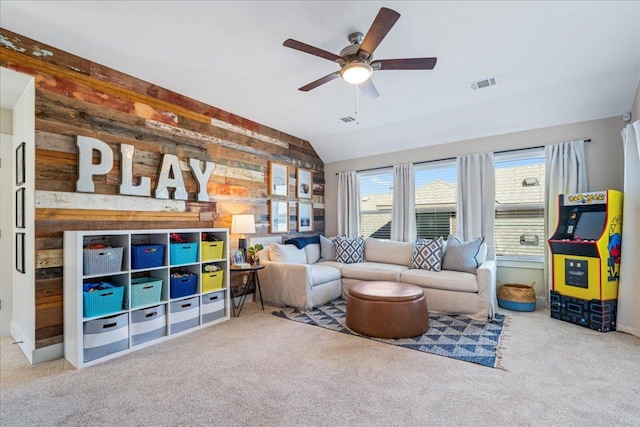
{"points": [[436, 193], [376, 200], [519, 226]]}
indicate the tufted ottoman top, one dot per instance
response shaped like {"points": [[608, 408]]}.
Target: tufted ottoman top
{"points": [[386, 291]]}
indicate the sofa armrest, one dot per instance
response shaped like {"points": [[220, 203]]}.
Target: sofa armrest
{"points": [[486, 276], [284, 283]]}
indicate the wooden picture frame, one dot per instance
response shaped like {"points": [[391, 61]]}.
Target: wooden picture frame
{"points": [[305, 217], [20, 252], [20, 208], [304, 184], [278, 179], [278, 217], [20, 164]]}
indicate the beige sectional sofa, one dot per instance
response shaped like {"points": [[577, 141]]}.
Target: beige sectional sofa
{"points": [[300, 278]]}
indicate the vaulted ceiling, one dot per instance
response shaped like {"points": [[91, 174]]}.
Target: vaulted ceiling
{"points": [[556, 62]]}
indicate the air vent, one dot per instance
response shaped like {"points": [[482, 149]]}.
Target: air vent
{"points": [[480, 84], [348, 119]]}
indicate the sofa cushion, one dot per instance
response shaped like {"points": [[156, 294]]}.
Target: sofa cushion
{"points": [[327, 248], [312, 251], [446, 280], [349, 251], [334, 264], [427, 254], [321, 274], [388, 251], [373, 271], [461, 256], [287, 253]]}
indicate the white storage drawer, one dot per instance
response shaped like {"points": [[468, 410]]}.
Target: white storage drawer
{"points": [[105, 336], [184, 314], [148, 324], [212, 306]]}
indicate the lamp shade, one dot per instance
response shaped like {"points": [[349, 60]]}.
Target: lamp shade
{"points": [[356, 72], [242, 224]]}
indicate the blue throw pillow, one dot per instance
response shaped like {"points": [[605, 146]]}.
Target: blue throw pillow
{"points": [[349, 251], [301, 242]]}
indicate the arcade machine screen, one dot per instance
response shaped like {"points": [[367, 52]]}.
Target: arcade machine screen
{"points": [[590, 225]]}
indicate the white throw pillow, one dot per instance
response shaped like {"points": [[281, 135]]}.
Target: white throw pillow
{"points": [[312, 251], [461, 256], [327, 248], [287, 253]]}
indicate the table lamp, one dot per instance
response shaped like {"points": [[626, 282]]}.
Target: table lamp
{"points": [[243, 224]]}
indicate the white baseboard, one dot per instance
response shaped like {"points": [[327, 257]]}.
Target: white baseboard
{"points": [[36, 355], [541, 302]]}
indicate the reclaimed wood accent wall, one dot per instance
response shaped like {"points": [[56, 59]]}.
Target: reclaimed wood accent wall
{"points": [[75, 96]]}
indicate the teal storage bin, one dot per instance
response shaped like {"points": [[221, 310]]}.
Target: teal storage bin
{"points": [[145, 291], [183, 253], [104, 299]]}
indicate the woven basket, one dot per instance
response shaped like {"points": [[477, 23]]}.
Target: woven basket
{"points": [[517, 297]]}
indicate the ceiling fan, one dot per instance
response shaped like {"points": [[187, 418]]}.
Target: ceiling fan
{"points": [[356, 60]]}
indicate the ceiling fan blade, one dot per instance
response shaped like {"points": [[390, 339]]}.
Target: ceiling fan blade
{"points": [[303, 47], [368, 89], [381, 25], [319, 82], [405, 64]]}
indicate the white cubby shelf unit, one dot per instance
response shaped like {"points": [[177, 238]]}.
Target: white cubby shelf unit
{"points": [[133, 289]]}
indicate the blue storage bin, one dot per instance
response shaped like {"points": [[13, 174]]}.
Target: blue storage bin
{"points": [[183, 286], [183, 253], [104, 299], [147, 256]]}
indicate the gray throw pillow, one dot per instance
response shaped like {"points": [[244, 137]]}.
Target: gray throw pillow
{"points": [[427, 254], [327, 248], [349, 251], [461, 256]]}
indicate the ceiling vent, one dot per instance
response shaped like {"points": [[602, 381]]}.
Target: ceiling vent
{"points": [[348, 119], [480, 84]]}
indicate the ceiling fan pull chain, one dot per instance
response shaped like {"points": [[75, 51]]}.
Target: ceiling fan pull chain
{"points": [[357, 121]]}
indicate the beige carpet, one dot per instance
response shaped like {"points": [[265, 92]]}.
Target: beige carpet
{"points": [[263, 370]]}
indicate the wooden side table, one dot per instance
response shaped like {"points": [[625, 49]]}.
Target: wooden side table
{"points": [[252, 285]]}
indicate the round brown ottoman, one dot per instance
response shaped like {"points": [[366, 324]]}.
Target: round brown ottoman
{"points": [[387, 310]]}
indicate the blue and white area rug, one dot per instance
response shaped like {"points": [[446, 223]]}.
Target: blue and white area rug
{"points": [[452, 336]]}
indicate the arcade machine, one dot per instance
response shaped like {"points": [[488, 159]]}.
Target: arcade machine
{"points": [[586, 259]]}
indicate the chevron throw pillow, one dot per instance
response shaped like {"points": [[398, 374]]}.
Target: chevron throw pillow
{"points": [[427, 254], [349, 251]]}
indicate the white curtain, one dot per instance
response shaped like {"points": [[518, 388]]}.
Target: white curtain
{"points": [[348, 204], [403, 213], [629, 286], [475, 215], [565, 173]]}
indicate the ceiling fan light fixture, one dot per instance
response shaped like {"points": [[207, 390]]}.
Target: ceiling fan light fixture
{"points": [[356, 72]]}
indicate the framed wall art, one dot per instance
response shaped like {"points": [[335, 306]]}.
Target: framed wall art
{"points": [[304, 184], [278, 179], [20, 164], [20, 208], [305, 217], [278, 217], [20, 252]]}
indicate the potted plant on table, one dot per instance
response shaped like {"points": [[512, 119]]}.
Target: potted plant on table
{"points": [[254, 252]]}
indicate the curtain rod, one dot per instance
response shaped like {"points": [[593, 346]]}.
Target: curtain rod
{"points": [[453, 158]]}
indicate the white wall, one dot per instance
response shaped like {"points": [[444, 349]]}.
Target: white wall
{"points": [[6, 121], [6, 221], [604, 170], [23, 326]]}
